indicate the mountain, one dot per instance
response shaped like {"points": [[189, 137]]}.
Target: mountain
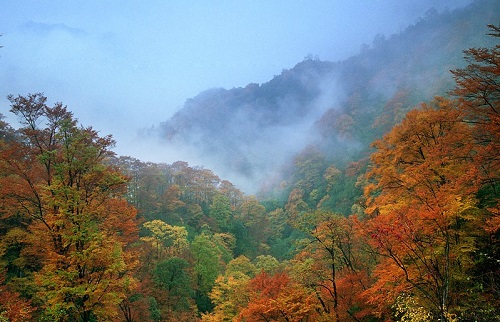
{"points": [[248, 134]]}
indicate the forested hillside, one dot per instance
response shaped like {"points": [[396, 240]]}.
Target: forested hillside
{"points": [[387, 210], [247, 134]]}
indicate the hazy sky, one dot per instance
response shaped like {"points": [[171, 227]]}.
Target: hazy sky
{"points": [[125, 65]]}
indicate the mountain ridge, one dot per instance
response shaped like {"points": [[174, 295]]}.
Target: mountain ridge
{"points": [[248, 133]]}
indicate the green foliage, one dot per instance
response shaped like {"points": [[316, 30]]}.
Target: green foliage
{"points": [[226, 243], [241, 265], [267, 264], [310, 165], [207, 261], [221, 211], [154, 311], [342, 192], [172, 276], [207, 266]]}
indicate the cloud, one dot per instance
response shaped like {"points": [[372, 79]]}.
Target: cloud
{"points": [[43, 28]]}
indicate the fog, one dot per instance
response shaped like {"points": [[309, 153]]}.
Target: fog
{"points": [[124, 67]]}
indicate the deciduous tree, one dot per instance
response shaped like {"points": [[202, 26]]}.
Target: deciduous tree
{"points": [[420, 201], [207, 266], [168, 240], [80, 224], [333, 264], [478, 90], [278, 298], [173, 278]]}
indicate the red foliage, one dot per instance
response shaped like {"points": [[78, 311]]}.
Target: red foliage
{"points": [[12, 306]]}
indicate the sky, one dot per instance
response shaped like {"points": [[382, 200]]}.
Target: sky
{"points": [[124, 66]]}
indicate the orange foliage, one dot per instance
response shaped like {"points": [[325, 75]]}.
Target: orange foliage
{"points": [[478, 89], [12, 306], [334, 265], [277, 298], [78, 222], [423, 180]]}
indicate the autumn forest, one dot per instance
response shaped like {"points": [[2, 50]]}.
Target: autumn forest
{"points": [[406, 231]]}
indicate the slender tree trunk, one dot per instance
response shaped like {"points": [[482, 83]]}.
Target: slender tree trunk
{"points": [[446, 280], [334, 283], [86, 316]]}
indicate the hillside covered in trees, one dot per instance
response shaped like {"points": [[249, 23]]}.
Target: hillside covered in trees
{"points": [[388, 212], [339, 107]]}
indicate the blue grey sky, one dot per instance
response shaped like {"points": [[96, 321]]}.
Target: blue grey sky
{"points": [[122, 66]]}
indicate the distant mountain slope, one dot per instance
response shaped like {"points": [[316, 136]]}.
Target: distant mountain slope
{"points": [[247, 134], [249, 129]]}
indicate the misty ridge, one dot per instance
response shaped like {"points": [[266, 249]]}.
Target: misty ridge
{"points": [[251, 134], [253, 130]]}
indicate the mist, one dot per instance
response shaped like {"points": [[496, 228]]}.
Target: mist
{"points": [[247, 134], [126, 68]]}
